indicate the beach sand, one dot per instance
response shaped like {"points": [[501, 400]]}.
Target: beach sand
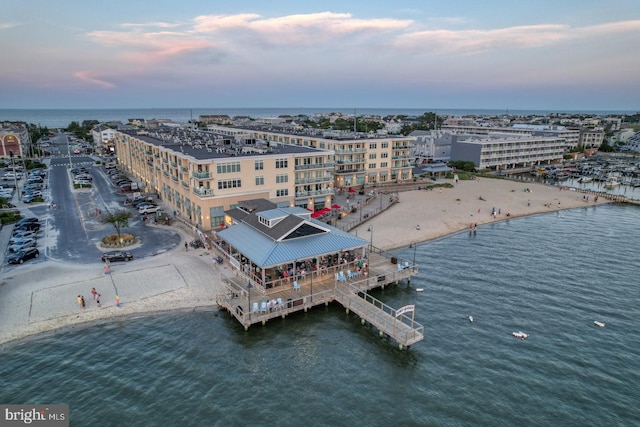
{"points": [[40, 298], [440, 212]]}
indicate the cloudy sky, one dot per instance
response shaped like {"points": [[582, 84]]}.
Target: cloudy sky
{"points": [[517, 54]]}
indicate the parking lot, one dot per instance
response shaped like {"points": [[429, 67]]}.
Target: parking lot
{"points": [[76, 193]]}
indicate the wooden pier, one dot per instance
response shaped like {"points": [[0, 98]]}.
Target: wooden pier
{"points": [[249, 306]]}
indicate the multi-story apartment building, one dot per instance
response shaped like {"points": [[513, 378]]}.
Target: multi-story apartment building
{"points": [[570, 136], [591, 138], [498, 152], [360, 158], [201, 174]]}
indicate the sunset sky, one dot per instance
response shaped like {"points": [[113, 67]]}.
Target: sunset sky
{"points": [[517, 54]]}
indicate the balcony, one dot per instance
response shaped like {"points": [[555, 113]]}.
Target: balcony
{"points": [[184, 184], [323, 192], [165, 160], [349, 170], [184, 170], [350, 151], [203, 192], [174, 178], [173, 164], [201, 175], [326, 165], [325, 178]]}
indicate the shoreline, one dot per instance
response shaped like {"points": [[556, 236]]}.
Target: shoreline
{"points": [[43, 302]]}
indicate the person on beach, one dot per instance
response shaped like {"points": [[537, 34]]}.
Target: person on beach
{"points": [[94, 293], [98, 301], [80, 301], [215, 262], [117, 300], [186, 247]]}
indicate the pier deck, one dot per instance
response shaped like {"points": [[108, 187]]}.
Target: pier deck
{"points": [[246, 304]]}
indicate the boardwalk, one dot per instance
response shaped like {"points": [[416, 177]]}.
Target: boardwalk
{"points": [[249, 306]]}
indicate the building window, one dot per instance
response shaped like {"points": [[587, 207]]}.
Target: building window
{"points": [[372, 156], [217, 216], [229, 183], [260, 180], [384, 155], [383, 164], [282, 163], [372, 166], [384, 145], [282, 193], [259, 165], [373, 145], [282, 178], [230, 167]]}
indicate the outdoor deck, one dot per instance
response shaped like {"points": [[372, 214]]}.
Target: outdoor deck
{"points": [[249, 306]]}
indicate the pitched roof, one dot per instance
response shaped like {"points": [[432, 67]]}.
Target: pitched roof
{"points": [[282, 235]]}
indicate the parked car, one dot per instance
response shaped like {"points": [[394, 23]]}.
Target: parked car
{"points": [[33, 198], [23, 244], [27, 220], [148, 209], [23, 255], [27, 226], [22, 235], [114, 256]]}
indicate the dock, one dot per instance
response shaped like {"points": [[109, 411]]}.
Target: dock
{"points": [[249, 306]]}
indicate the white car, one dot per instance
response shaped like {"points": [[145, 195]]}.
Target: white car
{"points": [[148, 209]]}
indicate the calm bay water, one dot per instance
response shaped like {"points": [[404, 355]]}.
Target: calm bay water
{"points": [[61, 118], [550, 275]]}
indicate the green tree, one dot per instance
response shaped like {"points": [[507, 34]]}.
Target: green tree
{"points": [[119, 220], [463, 165]]}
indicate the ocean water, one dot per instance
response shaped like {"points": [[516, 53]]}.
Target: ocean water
{"points": [[549, 275], [61, 118]]}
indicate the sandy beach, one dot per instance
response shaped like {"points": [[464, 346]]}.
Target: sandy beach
{"points": [[40, 298], [449, 210]]}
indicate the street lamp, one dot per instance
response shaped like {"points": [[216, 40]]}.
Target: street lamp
{"points": [[249, 286], [370, 230], [413, 245], [15, 175]]}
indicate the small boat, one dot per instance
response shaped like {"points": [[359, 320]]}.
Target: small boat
{"points": [[599, 324], [521, 335], [419, 289], [585, 179], [611, 182], [471, 319]]}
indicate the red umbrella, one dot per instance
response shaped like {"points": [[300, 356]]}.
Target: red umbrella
{"points": [[351, 190], [335, 207], [325, 210], [316, 214]]}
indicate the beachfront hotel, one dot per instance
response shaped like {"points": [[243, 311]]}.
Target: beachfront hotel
{"points": [[361, 159], [14, 138], [200, 175], [507, 151]]}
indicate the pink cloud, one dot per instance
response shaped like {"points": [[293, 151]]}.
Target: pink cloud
{"points": [[86, 77]]}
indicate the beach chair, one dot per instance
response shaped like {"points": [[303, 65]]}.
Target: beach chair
{"points": [[280, 304], [337, 277], [342, 277], [255, 307], [352, 274], [263, 307], [399, 267], [406, 264], [296, 285]]}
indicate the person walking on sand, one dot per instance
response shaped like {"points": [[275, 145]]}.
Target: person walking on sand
{"points": [[82, 301], [186, 247], [117, 300], [94, 293], [79, 301], [98, 301]]}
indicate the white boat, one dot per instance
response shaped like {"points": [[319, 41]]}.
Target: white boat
{"points": [[599, 324], [521, 335], [471, 319], [611, 182], [419, 289], [585, 179]]}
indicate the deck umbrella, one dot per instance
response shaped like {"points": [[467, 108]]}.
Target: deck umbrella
{"points": [[335, 207]]}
